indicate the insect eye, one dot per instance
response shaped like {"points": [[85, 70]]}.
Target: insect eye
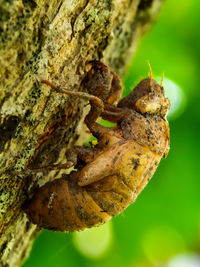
{"points": [[148, 104]]}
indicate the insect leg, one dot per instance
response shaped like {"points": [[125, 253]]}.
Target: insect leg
{"points": [[95, 128], [50, 167], [102, 166], [84, 153], [94, 100], [73, 154], [113, 114], [96, 103], [102, 82], [115, 90]]}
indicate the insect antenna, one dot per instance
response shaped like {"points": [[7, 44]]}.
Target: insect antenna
{"points": [[150, 75], [162, 79]]}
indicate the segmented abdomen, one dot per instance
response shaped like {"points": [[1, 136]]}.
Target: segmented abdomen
{"points": [[62, 205]]}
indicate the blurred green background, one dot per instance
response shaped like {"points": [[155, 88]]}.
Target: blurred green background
{"points": [[162, 228]]}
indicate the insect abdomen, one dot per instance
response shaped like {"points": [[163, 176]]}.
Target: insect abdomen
{"points": [[62, 205]]}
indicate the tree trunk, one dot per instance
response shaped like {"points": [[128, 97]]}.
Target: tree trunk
{"points": [[51, 40]]}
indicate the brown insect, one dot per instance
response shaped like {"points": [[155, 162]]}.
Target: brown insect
{"points": [[111, 174]]}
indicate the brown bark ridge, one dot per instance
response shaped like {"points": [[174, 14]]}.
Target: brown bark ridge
{"points": [[51, 40]]}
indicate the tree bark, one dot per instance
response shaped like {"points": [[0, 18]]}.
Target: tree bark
{"points": [[51, 40]]}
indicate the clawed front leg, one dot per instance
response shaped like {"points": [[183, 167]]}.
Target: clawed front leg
{"points": [[86, 154], [113, 114], [96, 103], [50, 167], [73, 154], [94, 100], [71, 161], [103, 90]]}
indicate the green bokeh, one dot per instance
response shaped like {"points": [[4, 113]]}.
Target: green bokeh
{"points": [[172, 198]]}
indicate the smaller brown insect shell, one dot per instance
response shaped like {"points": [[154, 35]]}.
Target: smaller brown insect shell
{"points": [[112, 174]]}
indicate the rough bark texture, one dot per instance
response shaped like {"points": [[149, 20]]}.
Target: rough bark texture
{"points": [[51, 40]]}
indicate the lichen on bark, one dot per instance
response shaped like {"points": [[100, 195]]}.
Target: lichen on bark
{"points": [[51, 40]]}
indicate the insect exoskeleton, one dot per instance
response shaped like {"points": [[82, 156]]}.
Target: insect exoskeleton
{"points": [[111, 174]]}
